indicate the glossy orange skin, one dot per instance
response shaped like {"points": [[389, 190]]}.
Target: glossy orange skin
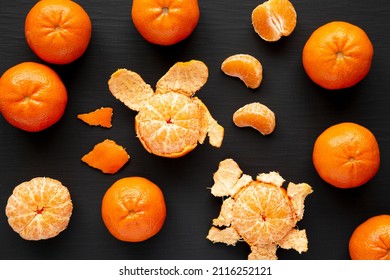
{"points": [[133, 209], [337, 55], [346, 155], [165, 22], [58, 31], [371, 239], [32, 96]]}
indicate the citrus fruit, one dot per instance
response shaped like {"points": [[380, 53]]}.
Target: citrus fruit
{"points": [[170, 121], [32, 96], [337, 55], [371, 239], [58, 31], [255, 115], [346, 155], [100, 117], [274, 19], [133, 209], [261, 211], [245, 67], [39, 209], [107, 156], [165, 22]]}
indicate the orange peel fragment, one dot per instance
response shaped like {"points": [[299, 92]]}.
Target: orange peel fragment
{"points": [[100, 117], [257, 116], [107, 156], [39, 209], [170, 121], [260, 211]]}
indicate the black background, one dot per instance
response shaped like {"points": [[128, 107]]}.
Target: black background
{"points": [[303, 110]]}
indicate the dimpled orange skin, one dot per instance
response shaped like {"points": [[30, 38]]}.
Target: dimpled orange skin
{"points": [[133, 209], [371, 239], [165, 22], [346, 155], [32, 96], [337, 55], [58, 31]]}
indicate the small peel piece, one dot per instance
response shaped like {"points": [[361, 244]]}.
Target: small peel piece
{"points": [[107, 156], [129, 88], [184, 78], [229, 236], [100, 117]]}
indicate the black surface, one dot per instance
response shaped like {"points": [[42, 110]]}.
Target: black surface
{"points": [[303, 111]]}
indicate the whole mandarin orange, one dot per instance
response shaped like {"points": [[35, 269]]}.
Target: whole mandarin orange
{"points": [[58, 31], [165, 22], [346, 155], [32, 96], [133, 209], [337, 55]]}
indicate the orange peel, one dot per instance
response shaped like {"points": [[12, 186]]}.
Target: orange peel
{"points": [[107, 156], [260, 211], [100, 117], [170, 121]]}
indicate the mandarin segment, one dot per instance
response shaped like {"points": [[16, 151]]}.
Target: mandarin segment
{"points": [[100, 117], [257, 116], [245, 67], [273, 19], [261, 211], [107, 156], [39, 209]]}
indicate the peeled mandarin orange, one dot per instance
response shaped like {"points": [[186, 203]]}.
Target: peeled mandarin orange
{"points": [[257, 116], [245, 67], [260, 211], [274, 19], [39, 209], [171, 121]]}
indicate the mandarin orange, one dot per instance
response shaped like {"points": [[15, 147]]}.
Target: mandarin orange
{"points": [[39, 209], [32, 96], [346, 155], [133, 209], [337, 55], [261, 211], [371, 239], [58, 31], [165, 22]]}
